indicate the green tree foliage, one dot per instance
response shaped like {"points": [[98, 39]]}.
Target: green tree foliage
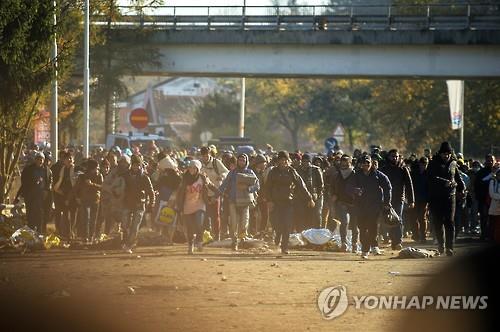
{"points": [[26, 69], [406, 114], [111, 60], [219, 113]]}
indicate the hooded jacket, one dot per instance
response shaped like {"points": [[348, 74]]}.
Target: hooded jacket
{"points": [[230, 186], [138, 188]]}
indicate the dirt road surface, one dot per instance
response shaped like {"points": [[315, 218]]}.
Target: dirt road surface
{"points": [[164, 289]]}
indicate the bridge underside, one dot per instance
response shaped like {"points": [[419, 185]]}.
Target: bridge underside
{"points": [[348, 61], [351, 54]]}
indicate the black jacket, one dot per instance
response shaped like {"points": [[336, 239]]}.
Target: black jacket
{"points": [[35, 181], [313, 179], [138, 190], [444, 179], [339, 188], [282, 184], [481, 187], [402, 185]]}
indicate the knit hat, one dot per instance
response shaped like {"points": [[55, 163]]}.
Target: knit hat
{"points": [[260, 159], [445, 148], [195, 163]]}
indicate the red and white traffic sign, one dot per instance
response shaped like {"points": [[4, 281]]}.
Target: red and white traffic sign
{"points": [[139, 118]]}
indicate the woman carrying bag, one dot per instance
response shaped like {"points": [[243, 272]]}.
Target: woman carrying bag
{"points": [[192, 198]]}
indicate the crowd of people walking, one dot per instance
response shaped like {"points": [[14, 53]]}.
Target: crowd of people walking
{"points": [[239, 195]]}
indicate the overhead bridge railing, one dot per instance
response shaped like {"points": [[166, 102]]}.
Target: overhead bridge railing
{"points": [[356, 17]]}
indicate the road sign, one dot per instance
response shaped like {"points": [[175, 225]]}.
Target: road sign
{"points": [[139, 118], [331, 143], [205, 136]]}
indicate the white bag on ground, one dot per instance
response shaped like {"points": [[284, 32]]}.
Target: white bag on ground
{"points": [[317, 236]]}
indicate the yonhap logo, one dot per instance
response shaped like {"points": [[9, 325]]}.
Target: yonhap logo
{"points": [[332, 301]]}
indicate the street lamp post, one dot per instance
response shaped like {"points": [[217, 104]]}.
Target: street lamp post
{"points": [[54, 132], [86, 82]]}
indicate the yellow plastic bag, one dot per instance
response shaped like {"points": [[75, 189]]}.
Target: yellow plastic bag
{"points": [[52, 241], [207, 237], [167, 216]]}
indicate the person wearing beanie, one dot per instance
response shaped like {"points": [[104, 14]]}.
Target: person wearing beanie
{"points": [[191, 203], [283, 183], [240, 185], [371, 192], [215, 170], [445, 184], [139, 197]]}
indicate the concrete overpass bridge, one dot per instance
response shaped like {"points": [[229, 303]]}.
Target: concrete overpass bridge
{"points": [[363, 41]]}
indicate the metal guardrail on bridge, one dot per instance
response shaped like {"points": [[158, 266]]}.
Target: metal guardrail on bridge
{"points": [[355, 17]]}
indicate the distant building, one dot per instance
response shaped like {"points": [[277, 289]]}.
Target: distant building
{"points": [[170, 105]]}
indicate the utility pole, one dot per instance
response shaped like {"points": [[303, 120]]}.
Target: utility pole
{"points": [[86, 82], [241, 132], [54, 131]]}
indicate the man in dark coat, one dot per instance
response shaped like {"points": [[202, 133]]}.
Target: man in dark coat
{"points": [[36, 183], [402, 189], [444, 185], [372, 195], [283, 183]]}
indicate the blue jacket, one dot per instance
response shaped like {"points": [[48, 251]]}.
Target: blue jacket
{"points": [[229, 183], [376, 190]]}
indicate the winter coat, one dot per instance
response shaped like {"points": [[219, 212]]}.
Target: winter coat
{"points": [[494, 191], [88, 193], [215, 170], [313, 179], [441, 174], [244, 193], [138, 191], [283, 183], [36, 182], [181, 192], [401, 182], [376, 191], [420, 185], [340, 188]]}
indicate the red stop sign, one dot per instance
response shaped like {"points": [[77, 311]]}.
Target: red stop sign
{"points": [[139, 118]]}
